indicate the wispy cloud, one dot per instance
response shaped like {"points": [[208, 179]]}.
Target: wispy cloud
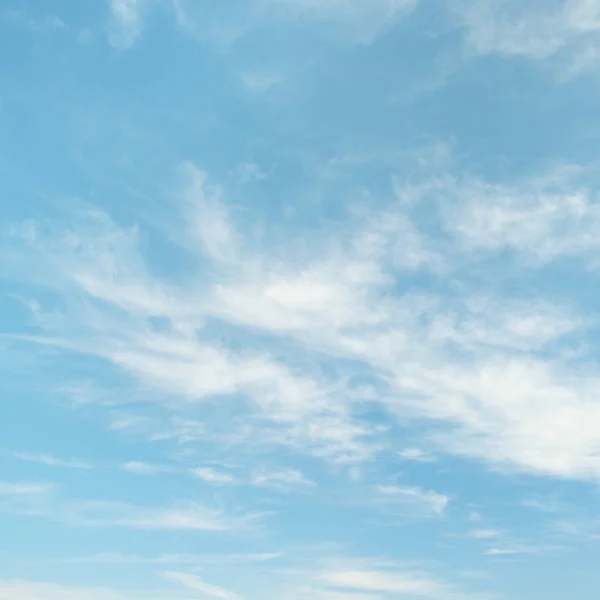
{"points": [[211, 475], [484, 534], [33, 590], [537, 218], [37, 23], [353, 20], [197, 584], [24, 489], [144, 468], [362, 578], [505, 391], [381, 581], [416, 454], [172, 559], [391, 580], [190, 516], [567, 32], [427, 501], [346, 21], [317, 323], [515, 550], [282, 481], [43, 500], [51, 461], [125, 22]]}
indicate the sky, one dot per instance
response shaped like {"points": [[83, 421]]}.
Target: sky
{"points": [[297, 299]]}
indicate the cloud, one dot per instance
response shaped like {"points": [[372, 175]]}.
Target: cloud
{"points": [[143, 468], [386, 582], [197, 584], [26, 498], [282, 481], [171, 559], [567, 32], [125, 23], [517, 549], [42, 500], [345, 21], [171, 361], [362, 578], [492, 375], [50, 461], [190, 517], [354, 20], [251, 172], [426, 500], [484, 534], [33, 590], [23, 489], [542, 219], [213, 476], [36, 23], [416, 454]]}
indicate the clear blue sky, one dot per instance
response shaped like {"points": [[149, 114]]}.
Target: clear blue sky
{"points": [[299, 299]]}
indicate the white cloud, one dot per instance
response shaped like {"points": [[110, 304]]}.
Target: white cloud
{"points": [[354, 20], [312, 593], [568, 32], [367, 579], [42, 500], [37, 23], [143, 468], [52, 461], [389, 582], [488, 372], [208, 220], [516, 550], [171, 559], [211, 475], [250, 172], [25, 498], [23, 489], [191, 517], [484, 534], [257, 81], [346, 21], [501, 552], [543, 219], [416, 454], [197, 584], [126, 22], [32, 590], [430, 501], [282, 481]]}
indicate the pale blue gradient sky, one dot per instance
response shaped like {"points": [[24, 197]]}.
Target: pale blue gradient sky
{"points": [[298, 300]]}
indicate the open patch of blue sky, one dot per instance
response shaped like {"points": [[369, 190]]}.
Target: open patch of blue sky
{"points": [[298, 300]]}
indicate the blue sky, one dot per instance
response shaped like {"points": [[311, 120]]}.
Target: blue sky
{"points": [[298, 300]]}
